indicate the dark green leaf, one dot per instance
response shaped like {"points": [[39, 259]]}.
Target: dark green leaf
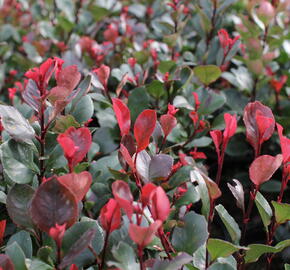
{"points": [[138, 101], [192, 235], [18, 201], [17, 256], [173, 264], [264, 209], [23, 239], [81, 244]]}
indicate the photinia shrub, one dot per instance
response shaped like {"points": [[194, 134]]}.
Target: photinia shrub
{"points": [[149, 135]]}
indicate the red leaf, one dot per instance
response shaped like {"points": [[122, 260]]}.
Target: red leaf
{"points": [[285, 144], [123, 196], [263, 167], [52, 204], [57, 233], [103, 73], [2, 230], [159, 204], [110, 216], [79, 184], [224, 38], [252, 130], [217, 138], [75, 144], [73, 267], [126, 155], [231, 126], [263, 123], [147, 192], [123, 116], [142, 236], [143, 128], [6, 263], [68, 77], [167, 122]]}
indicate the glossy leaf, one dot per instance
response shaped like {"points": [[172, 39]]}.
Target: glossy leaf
{"points": [[79, 184], [123, 116], [192, 235], [238, 193], [143, 128], [230, 224], [53, 203], [264, 209], [263, 167], [17, 161], [18, 201], [15, 124]]}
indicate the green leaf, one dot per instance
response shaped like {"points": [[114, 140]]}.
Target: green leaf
{"points": [[190, 196], [67, 7], [83, 89], [264, 209], [124, 256], [17, 204], [138, 101], [166, 66], [207, 73], [16, 255], [23, 239], [63, 122], [46, 254], [39, 265], [181, 176], [77, 247], [77, 230], [282, 212], [231, 225], [210, 101], [99, 12], [257, 250], [287, 266], [17, 161], [156, 89], [84, 109], [220, 248], [32, 53], [192, 235], [104, 138], [15, 124], [173, 264]]}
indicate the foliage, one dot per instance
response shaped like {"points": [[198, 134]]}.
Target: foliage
{"points": [[123, 124]]}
